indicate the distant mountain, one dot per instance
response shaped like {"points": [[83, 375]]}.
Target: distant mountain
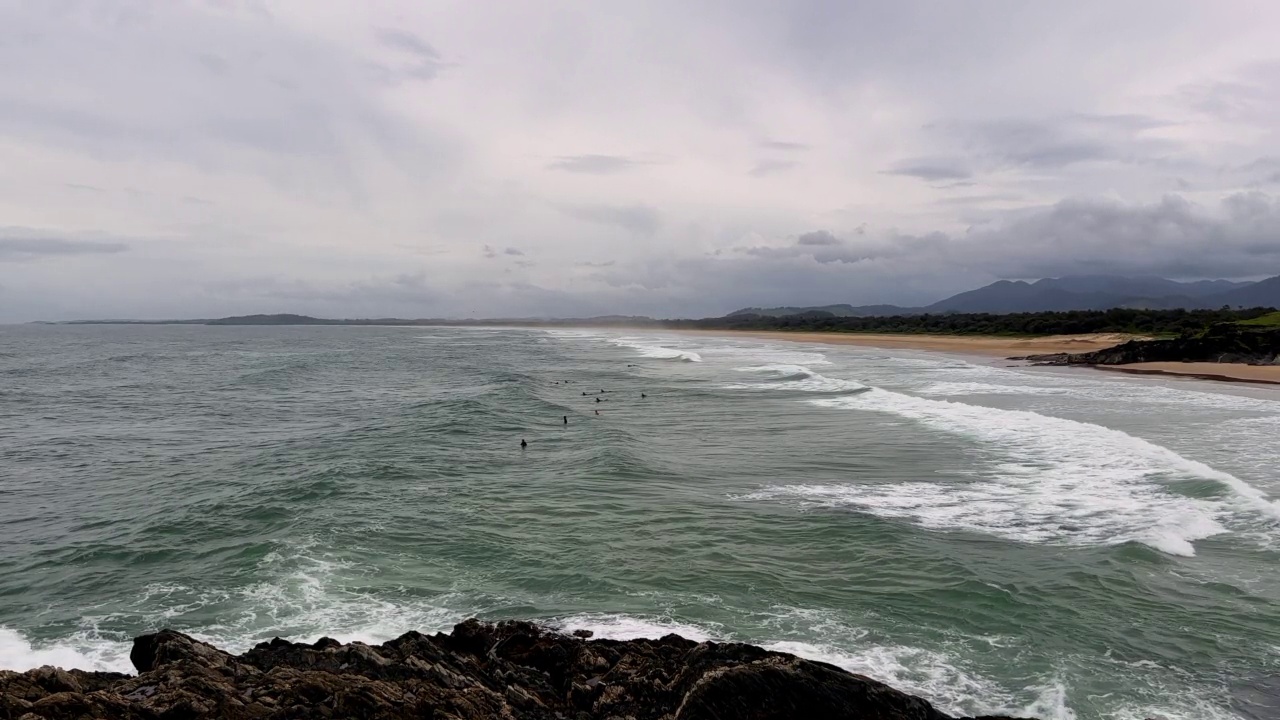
{"points": [[1080, 292], [842, 310], [1138, 287], [1100, 292], [1265, 293]]}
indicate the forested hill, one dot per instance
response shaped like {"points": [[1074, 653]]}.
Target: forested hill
{"points": [[1141, 322]]}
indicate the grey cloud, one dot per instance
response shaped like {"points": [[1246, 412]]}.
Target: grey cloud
{"points": [[427, 61], [771, 167], [605, 264], [16, 246], [489, 252], [931, 169], [822, 247], [1261, 172], [513, 251], [818, 237], [408, 42], [1039, 145], [213, 63], [980, 199], [345, 298], [86, 188], [593, 164], [1252, 95], [640, 219], [1172, 237]]}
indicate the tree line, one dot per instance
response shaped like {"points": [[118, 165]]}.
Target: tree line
{"points": [[1073, 322]]}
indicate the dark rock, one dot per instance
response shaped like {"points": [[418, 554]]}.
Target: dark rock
{"points": [[584, 634], [1225, 343], [514, 670]]}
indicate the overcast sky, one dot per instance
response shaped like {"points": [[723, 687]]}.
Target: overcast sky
{"points": [[171, 158]]}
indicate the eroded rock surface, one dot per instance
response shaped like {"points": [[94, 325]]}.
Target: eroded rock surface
{"points": [[511, 670]]}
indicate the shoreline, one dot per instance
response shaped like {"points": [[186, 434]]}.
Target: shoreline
{"points": [[1009, 348], [513, 669]]}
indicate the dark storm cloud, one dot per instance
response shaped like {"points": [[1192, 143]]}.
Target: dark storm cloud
{"points": [[931, 169], [593, 164], [640, 219], [771, 167], [20, 244]]}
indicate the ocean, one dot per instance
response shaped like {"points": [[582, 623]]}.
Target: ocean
{"points": [[1055, 542]]}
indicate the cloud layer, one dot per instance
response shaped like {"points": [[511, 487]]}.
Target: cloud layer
{"points": [[209, 157]]}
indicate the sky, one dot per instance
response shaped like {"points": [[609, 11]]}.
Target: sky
{"points": [[203, 158]]}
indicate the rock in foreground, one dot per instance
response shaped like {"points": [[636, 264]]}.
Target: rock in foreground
{"points": [[512, 670]]}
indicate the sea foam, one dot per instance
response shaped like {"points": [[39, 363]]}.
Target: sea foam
{"points": [[1051, 479], [651, 349]]}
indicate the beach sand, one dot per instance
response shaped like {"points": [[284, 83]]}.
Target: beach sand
{"points": [[1005, 347], [992, 345]]}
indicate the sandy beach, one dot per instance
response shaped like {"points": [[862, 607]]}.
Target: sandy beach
{"points": [[1005, 347], [992, 345]]}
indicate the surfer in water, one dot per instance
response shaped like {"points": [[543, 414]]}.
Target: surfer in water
{"points": [[643, 396], [597, 399], [523, 444], [566, 419]]}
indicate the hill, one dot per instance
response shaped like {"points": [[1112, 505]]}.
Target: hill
{"points": [[1265, 293], [1081, 292]]}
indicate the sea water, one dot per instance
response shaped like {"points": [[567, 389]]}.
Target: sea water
{"points": [[1051, 542]]}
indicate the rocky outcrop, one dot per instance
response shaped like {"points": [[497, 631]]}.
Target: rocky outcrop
{"points": [[1221, 344], [511, 670]]}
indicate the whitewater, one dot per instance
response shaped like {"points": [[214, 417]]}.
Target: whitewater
{"points": [[1050, 542]]}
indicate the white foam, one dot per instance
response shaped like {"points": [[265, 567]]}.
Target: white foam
{"points": [[1054, 480], [795, 377], [79, 651], [629, 627], [947, 389], [930, 674], [920, 672], [651, 349]]}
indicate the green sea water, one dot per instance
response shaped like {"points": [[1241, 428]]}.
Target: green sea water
{"points": [[1052, 542]]}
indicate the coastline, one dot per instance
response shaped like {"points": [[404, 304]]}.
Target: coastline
{"points": [[513, 669], [1011, 347]]}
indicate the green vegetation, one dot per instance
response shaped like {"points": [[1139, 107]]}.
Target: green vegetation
{"points": [[1268, 320], [1119, 320]]}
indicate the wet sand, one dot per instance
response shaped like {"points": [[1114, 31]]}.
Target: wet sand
{"points": [[1006, 347], [1226, 372]]}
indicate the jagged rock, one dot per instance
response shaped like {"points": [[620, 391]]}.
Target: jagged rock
{"points": [[511, 670]]}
